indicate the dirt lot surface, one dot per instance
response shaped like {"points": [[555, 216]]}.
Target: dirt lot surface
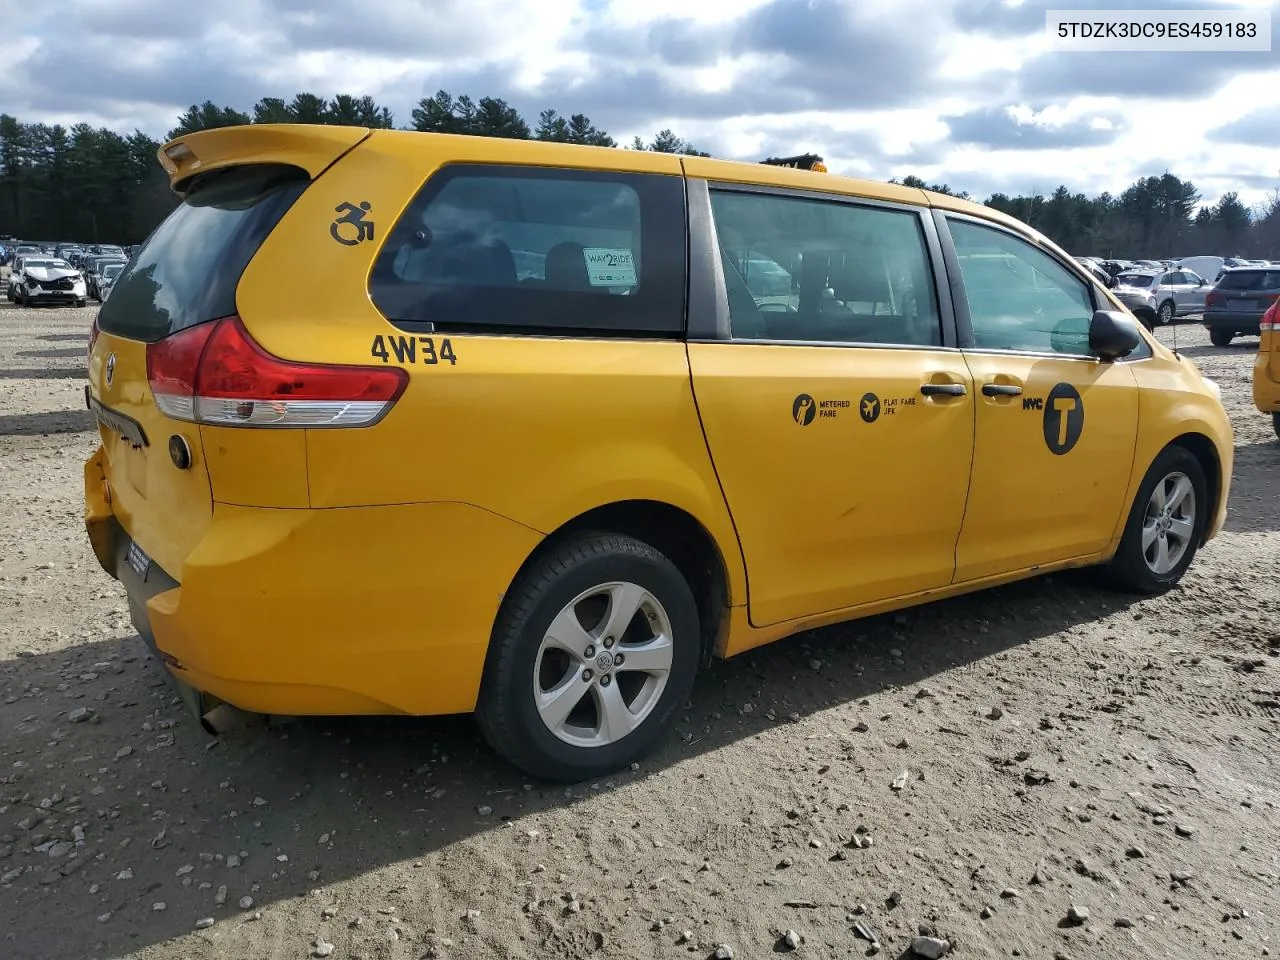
{"points": [[1086, 776]]}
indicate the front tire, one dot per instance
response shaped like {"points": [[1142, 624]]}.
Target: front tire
{"points": [[1221, 338], [594, 650], [1166, 524]]}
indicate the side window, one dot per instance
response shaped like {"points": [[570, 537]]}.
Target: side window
{"points": [[817, 270], [504, 249], [1190, 277], [1019, 297]]}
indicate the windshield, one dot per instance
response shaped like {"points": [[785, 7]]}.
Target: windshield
{"points": [[43, 263], [112, 270], [1134, 279]]}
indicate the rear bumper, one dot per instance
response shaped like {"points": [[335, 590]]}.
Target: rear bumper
{"points": [[1243, 323], [45, 296], [339, 611], [1266, 391]]}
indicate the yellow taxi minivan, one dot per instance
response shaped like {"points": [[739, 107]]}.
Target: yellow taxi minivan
{"points": [[404, 423], [1266, 366]]}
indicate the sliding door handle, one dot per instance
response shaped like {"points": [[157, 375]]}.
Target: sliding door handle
{"points": [[943, 389], [1001, 390]]}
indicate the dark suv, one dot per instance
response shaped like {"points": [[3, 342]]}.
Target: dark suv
{"points": [[1235, 306]]}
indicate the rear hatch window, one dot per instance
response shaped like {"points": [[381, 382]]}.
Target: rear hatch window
{"points": [[188, 270], [1134, 280], [1250, 280]]}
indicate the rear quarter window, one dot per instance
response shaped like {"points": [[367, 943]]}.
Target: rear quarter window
{"points": [[188, 270], [537, 250]]}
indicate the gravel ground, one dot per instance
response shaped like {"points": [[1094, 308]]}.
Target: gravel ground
{"points": [[1080, 775]]}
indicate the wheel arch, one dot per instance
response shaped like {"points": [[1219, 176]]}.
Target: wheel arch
{"points": [[674, 532], [1202, 448]]}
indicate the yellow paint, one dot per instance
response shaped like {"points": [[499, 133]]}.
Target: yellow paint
{"points": [[313, 147], [163, 507], [834, 511], [1027, 505], [360, 570], [1266, 370]]}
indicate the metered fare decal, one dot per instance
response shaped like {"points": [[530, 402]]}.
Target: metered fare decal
{"points": [[871, 407], [805, 409]]}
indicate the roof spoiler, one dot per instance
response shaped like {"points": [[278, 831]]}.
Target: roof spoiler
{"points": [[310, 147], [806, 161]]}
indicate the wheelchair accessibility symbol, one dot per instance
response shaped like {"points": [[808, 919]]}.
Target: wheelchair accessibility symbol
{"points": [[352, 217]]}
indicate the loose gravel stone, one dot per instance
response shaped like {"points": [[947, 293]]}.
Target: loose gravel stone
{"points": [[932, 948]]}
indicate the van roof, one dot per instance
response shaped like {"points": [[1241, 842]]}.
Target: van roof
{"points": [[314, 147]]}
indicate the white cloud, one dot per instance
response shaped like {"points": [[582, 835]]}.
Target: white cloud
{"points": [[879, 88]]}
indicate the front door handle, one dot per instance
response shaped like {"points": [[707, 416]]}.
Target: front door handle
{"points": [[943, 389], [1001, 390]]}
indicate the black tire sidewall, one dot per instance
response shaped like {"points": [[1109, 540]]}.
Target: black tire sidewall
{"points": [[1130, 555], [537, 749]]}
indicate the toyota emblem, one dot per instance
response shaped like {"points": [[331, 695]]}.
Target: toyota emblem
{"points": [[111, 368]]}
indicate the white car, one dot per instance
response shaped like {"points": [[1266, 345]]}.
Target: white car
{"points": [[38, 280]]}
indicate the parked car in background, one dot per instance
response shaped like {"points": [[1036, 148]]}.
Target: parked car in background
{"points": [[1234, 307], [93, 271], [1209, 267], [1096, 271], [37, 279], [1266, 366], [107, 279], [1157, 297]]}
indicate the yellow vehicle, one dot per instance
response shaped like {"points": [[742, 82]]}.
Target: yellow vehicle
{"points": [[406, 423], [1266, 366]]}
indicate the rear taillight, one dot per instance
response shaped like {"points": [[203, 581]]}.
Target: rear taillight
{"points": [[1213, 299], [215, 373], [1270, 322]]}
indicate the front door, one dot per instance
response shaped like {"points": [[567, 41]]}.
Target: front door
{"points": [[840, 427], [1189, 291], [1055, 428]]}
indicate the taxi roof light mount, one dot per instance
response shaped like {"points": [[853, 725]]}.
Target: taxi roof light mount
{"points": [[216, 374]]}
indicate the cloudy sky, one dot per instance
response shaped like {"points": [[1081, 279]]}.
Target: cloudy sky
{"points": [[958, 91]]}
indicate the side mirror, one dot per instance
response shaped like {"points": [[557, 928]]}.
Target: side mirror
{"points": [[1112, 335]]}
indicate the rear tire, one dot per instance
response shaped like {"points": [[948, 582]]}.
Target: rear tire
{"points": [[1220, 338], [1165, 526], [551, 702], [1166, 313]]}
